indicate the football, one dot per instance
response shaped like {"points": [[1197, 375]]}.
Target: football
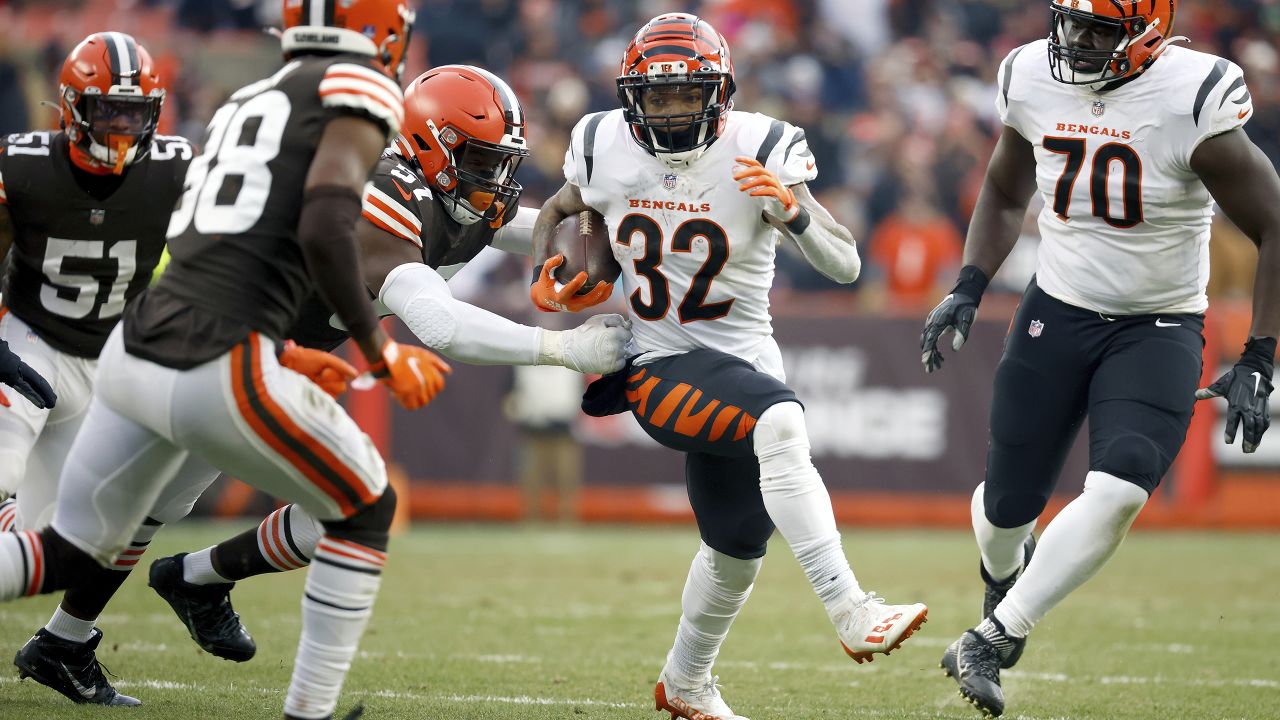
{"points": [[584, 241]]}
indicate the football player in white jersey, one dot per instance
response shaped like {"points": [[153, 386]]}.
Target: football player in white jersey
{"points": [[696, 197], [1130, 140]]}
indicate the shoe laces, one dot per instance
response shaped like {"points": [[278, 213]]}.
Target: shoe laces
{"points": [[89, 670], [216, 614], [707, 696], [979, 657]]}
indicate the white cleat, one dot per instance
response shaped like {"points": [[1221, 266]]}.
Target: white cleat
{"points": [[867, 626], [698, 703]]}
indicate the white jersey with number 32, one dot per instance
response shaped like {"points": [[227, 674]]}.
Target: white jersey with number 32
{"points": [[1125, 225], [696, 255]]}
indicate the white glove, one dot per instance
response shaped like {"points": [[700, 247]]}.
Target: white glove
{"points": [[598, 345]]}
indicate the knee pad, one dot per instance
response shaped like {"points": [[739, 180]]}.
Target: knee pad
{"points": [[730, 573], [1121, 494], [370, 525], [782, 447], [1010, 509], [780, 424], [64, 563], [1135, 458]]}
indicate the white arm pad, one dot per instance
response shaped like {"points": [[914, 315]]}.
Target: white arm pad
{"points": [[516, 237], [421, 298], [828, 254]]}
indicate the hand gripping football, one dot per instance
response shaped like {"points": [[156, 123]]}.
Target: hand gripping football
{"points": [[584, 241]]}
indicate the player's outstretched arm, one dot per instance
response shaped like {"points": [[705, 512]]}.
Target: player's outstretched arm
{"points": [[420, 297], [1244, 183], [993, 231]]}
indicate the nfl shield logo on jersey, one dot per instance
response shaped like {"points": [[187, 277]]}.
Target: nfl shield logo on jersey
{"points": [[1099, 107], [1036, 328], [97, 216], [669, 181]]}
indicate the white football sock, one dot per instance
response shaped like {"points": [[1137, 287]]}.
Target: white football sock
{"points": [[287, 538], [342, 584], [197, 568], [1001, 548], [1072, 549], [21, 564], [798, 503], [69, 627], [716, 589]]}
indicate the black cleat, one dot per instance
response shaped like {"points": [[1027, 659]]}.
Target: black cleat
{"points": [[996, 590], [974, 664], [69, 667], [205, 610]]}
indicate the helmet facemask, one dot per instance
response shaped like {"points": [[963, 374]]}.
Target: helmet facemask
{"points": [[1111, 48], [478, 182], [675, 115], [115, 129]]}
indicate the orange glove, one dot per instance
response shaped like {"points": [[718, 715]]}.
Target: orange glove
{"points": [[758, 181], [414, 375], [547, 299], [330, 372]]}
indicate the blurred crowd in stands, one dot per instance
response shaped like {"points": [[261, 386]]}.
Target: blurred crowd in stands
{"points": [[896, 96]]}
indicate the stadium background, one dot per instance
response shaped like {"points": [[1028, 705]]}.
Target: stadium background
{"points": [[896, 98]]}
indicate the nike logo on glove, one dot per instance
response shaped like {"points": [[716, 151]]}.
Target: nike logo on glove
{"points": [[1257, 378]]}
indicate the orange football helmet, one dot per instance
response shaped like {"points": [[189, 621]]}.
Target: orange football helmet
{"points": [[677, 49], [465, 127], [377, 28], [1132, 34], [110, 99]]}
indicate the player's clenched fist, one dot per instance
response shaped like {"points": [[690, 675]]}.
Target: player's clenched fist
{"points": [[548, 298], [329, 371], [758, 181], [413, 374]]}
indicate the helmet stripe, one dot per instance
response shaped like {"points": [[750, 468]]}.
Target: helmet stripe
{"points": [[510, 103], [122, 53]]}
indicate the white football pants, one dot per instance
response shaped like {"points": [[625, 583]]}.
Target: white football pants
{"points": [[153, 430]]}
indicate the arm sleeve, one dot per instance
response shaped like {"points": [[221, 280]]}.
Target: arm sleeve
{"points": [[327, 236], [354, 89], [421, 298], [516, 237]]}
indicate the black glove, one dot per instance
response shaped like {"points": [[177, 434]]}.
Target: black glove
{"points": [[956, 311], [1246, 387], [19, 376]]}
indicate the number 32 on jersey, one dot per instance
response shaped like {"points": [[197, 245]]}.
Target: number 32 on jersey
{"points": [[694, 305]]}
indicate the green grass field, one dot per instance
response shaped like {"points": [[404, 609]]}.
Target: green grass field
{"points": [[506, 622]]}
